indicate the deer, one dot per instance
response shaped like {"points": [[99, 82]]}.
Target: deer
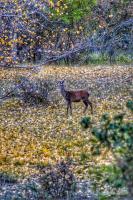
{"points": [[75, 96]]}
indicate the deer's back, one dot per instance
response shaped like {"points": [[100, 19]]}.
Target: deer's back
{"points": [[77, 95]]}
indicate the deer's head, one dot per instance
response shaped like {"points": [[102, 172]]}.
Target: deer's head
{"points": [[61, 84]]}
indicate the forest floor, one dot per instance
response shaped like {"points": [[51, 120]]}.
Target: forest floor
{"points": [[34, 136]]}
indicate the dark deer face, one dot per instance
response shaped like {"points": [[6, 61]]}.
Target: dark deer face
{"points": [[62, 88], [61, 84]]}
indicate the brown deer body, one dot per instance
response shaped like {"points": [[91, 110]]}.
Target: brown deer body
{"points": [[75, 96]]}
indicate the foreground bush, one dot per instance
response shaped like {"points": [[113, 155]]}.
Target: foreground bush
{"points": [[57, 181], [116, 134], [32, 91]]}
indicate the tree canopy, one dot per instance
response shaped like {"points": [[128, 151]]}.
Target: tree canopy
{"points": [[38, 30]]}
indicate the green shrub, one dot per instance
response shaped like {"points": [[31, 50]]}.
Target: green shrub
{"points": [[130, 105], [96, 59], [116, 134], [85, 122], [124, 59]]}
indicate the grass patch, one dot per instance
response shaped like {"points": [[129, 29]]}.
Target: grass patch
{"points": [[107, 181]]}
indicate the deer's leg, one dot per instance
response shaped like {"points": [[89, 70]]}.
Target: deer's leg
{"points": [[90, 104], [87, 102], [69, 105], [71, 108], [86, 105], [67, 108]]}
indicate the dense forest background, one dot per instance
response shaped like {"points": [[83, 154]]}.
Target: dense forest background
{"points": [[69, 32]]}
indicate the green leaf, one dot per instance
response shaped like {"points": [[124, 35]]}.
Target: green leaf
{"points": [[119, 117], [130, 105], [85, 122]]}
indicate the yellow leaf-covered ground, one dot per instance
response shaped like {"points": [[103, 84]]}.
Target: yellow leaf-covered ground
{"points": [[40, 135]]}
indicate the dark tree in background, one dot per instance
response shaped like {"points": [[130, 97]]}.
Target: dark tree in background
{"points": [[70, 31]]}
